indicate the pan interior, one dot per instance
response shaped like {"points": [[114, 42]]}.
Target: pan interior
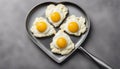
{"points": [[43, 43]]}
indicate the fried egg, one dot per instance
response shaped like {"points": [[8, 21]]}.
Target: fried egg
{"points": [[56, 14], [41, 28], [61, 43], [74, 25]]}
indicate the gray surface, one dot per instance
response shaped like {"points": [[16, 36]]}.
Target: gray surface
{"points": [[18, 52]]}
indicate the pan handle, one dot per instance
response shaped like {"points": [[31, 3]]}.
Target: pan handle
{"points": [[99, 62]]}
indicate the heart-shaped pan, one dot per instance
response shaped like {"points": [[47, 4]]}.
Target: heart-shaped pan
{"points": [[43, 43]]}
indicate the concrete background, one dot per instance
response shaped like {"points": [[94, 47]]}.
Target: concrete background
{"points": [[18, 52]]}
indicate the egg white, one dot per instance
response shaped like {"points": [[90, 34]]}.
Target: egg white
{"points": [[49, 31], [63, 51], [79, 20], [60, 8]]}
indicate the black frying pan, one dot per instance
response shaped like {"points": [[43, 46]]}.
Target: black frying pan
{"points": [[43, 43]]}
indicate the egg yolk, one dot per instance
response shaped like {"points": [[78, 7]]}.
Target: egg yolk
{"points": [[73, 27], [61, 42], [41, 26], [55, 17]]}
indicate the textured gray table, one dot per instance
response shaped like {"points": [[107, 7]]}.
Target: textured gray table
{"points": [[18, 52]]}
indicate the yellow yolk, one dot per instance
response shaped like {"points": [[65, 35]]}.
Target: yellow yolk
{"points": [[55, 17], [73, 27], [61, 42], [41, 26]]}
